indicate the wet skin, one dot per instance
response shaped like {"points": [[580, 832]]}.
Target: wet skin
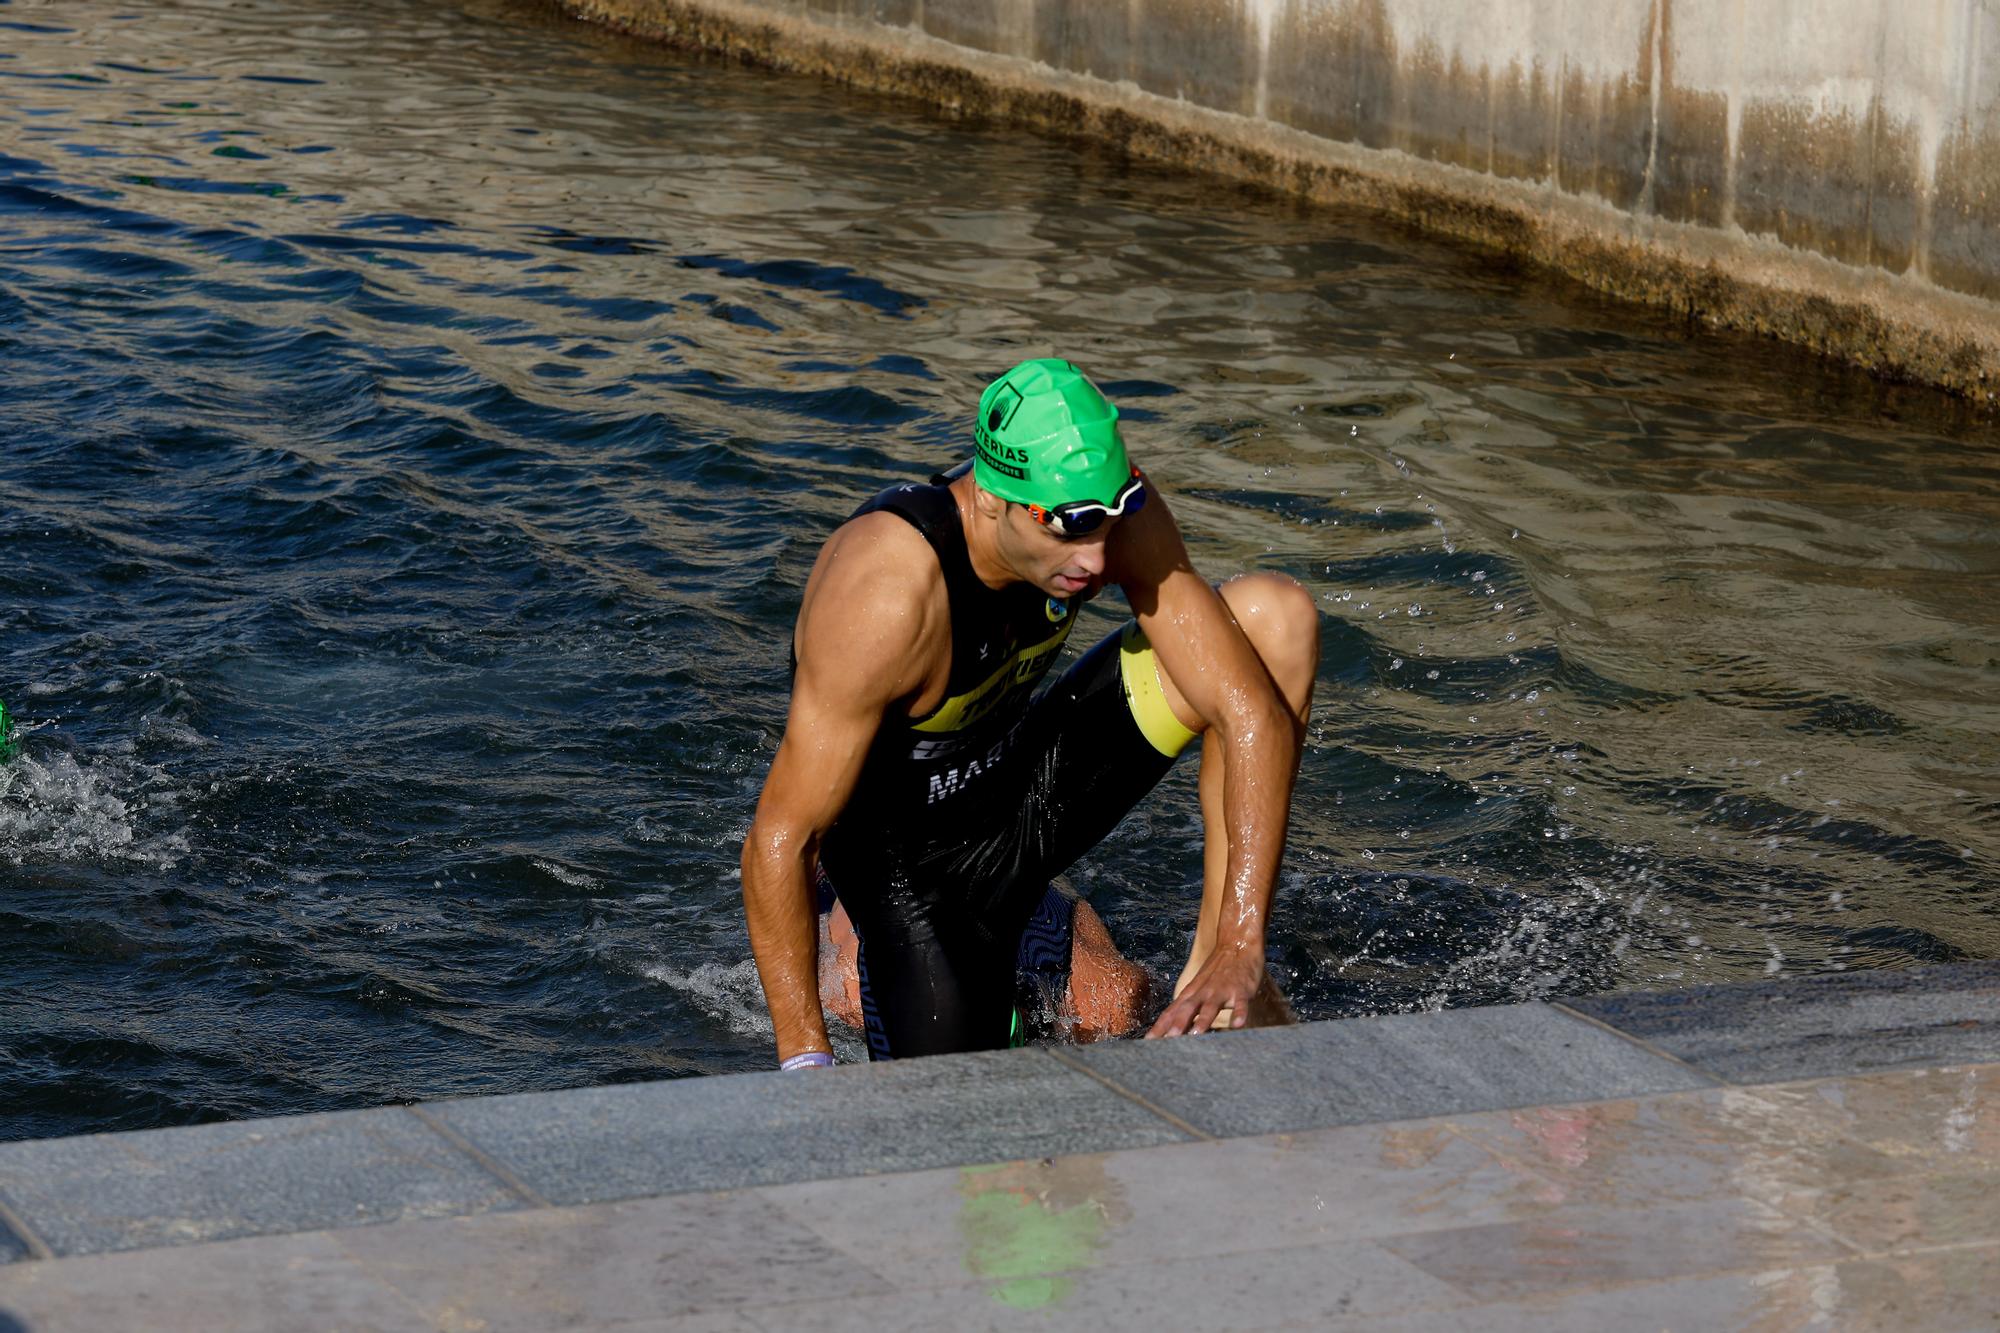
{"points": [[873, 641]]}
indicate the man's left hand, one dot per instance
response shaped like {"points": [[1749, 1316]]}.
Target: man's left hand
{"points": [[1223, 989]]}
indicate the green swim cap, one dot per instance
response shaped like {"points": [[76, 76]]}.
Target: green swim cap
{"points": [[1046, 436]]}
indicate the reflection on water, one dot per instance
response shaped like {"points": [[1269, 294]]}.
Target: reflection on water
{"points": [[421, 420]]}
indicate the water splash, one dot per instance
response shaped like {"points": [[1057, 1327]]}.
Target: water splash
{"points": [[64, 809]]}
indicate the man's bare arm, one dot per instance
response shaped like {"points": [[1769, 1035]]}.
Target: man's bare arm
{"points": [[868, 611], [1219, 675]]}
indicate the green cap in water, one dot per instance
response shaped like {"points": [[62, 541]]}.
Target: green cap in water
{"points": [[1046, 436], [6, 734]]}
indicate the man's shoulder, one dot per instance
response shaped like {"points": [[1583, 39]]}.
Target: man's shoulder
{"points": [[875, 569], [884, 545]]}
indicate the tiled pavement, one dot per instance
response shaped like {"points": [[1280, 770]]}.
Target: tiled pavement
{"points": [[1811, 1154]]}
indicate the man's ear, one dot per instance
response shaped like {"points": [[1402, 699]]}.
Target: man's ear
{"points": [[986, 503]]}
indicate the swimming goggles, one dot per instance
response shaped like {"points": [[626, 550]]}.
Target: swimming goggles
{"points": [[1079, 518]]}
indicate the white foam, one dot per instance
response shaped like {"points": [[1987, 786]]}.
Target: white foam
{"points": [[66, 809], [731, 993], [576, 879]]}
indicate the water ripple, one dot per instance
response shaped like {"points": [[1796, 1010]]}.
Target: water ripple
{"points": [[417, 446]]}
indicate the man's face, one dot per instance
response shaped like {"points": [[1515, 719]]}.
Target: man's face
{"points": [[1060, 566]]}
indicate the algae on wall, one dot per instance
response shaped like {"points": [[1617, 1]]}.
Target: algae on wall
{"points": [[1823, 171]]}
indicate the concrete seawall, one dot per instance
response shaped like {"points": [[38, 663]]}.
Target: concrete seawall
{"points": [[1824, 173], [1787, 1154]]}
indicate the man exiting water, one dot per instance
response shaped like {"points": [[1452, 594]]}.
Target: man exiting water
{"points": [[922, 783]]}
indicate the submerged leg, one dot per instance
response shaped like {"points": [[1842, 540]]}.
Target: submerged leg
{"points": [[1104, 992], [1107, 991]]}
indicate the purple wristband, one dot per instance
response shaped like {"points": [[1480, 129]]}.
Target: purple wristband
{"points": [[807, 1060]]}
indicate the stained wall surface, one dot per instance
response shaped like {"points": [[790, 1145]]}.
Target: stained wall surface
{"points": [[1682, 152]]}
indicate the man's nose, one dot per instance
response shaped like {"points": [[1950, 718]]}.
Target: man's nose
{"points": [[1089, 556]]}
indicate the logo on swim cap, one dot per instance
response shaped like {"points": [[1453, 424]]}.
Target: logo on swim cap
{"points": [[1046, 436]]}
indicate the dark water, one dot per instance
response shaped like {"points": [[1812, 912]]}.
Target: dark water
{"points": [[419, 420]]}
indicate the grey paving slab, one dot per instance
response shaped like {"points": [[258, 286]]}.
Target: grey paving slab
{"points": [[12, 1247], [706, 1321], [1949, 1292], [1307, 1286], [1768, 1302], [717, 1133], [104, 1192], [270, 1283], [1905, 1213], [1196, 1204], [1840, 1023], [1593, 1247], [1644, 1152], [1840, 1203], [1398, 1067], [1938, 1120], [685, 1259]]}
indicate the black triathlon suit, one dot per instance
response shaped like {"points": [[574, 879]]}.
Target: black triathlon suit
{"points": [[944, 853]]}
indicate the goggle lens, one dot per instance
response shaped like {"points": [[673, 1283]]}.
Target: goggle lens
{"points": [[1080, 518]]}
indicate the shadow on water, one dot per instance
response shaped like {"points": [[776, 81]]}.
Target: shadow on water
{"points": [[417, 446]]}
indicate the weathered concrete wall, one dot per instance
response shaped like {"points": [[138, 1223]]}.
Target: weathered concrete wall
{"points": [[1824, 171]]}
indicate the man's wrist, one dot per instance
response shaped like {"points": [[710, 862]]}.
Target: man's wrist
{"points": [[1246, 944], [806, 1060], [803, 1039]]}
